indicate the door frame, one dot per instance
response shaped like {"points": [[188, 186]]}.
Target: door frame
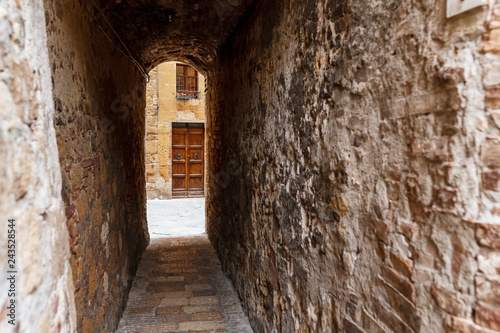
{"points": [[187, 124]]}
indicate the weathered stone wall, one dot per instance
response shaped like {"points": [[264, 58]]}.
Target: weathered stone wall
{"points": [[30, 178], [156, 186], [160, 114], [354, 166], [99, 99], [487, 278]]}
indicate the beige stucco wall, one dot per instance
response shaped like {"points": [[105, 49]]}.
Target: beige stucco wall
{"points": [[164, 108]]}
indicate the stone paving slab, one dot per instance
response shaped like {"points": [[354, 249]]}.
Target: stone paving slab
{"points": [[180, 287]]}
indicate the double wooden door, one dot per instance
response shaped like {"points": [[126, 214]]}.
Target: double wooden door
{"points": [[188, 160]]}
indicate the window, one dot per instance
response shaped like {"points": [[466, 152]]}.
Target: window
{"points": [[187, 82]]}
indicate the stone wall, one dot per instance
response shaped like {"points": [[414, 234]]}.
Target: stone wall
{"points": [[354, 165], [156, 186], [161, 113], [487, 278], [30, 178], [99, 100]]}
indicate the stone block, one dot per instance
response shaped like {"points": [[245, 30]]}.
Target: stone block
{"points": [[174, 318], [456, 7], [203, 300], [490, 154], [391, 277], [208, 316], [462, 325], [151, 169], [199, 308], [152, 128], [489, 262], [403, 265], [151, 147], [488, 235], [401, 306], [390, 318], [487, 316], [450, 301], [339, 206], [202, 325], [488, 288], [492, 99], [152, 137], [491, 180], [353, 307], [495, 116], [152, 158], [349, 326], [163, 310], [178, 301], [197, 293], [419, 211], [434, 149], [445, 197], [370, 324], [393, 188]]}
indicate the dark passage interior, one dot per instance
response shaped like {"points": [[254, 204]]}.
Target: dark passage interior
{"points": [[353, 150]]}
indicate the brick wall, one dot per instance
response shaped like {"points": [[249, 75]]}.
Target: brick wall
{"points": [[353, 167]]}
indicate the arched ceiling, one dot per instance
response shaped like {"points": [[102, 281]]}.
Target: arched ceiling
{"points": [[155, 31]]}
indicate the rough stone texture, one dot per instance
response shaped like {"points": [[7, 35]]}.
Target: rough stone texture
{"points": [[156, 186], [353, 150], [99, 98], [30, 178], [347, 149], [169, 30], [180, 287], [162, 109]]}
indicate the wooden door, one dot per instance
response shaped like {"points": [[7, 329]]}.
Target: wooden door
{"points": [[188, 160]]}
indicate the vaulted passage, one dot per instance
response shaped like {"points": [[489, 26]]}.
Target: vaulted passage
{"points": [[353, 148]]}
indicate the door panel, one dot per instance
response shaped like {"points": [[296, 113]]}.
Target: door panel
{"points": [[179, 144], [188, 160]]}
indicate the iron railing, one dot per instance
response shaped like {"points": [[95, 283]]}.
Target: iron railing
{"points": [[187, 87]]}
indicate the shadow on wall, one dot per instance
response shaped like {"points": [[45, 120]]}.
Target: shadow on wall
{"points": [[99, 124]]}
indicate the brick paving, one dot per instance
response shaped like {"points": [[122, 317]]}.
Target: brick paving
{"points": [[180, 287]]}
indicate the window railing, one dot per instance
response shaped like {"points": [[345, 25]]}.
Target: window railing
{"points": [[187, 87]]}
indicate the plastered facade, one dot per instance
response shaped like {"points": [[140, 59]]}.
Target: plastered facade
{"points": [[163, 108]]}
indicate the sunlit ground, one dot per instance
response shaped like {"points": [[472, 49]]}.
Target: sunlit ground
{"points": [[176, 218]]}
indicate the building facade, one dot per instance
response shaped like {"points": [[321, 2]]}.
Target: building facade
{"points": [[175, 132]]}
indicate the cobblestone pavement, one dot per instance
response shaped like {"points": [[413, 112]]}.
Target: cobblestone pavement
{"points": [[180, 287]]}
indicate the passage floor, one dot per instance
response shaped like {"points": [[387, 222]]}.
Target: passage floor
{"points": [[180, 287], [176, 218]]}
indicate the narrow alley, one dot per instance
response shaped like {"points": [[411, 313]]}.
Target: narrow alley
{"points": [[345, 153], [180, 287]]}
